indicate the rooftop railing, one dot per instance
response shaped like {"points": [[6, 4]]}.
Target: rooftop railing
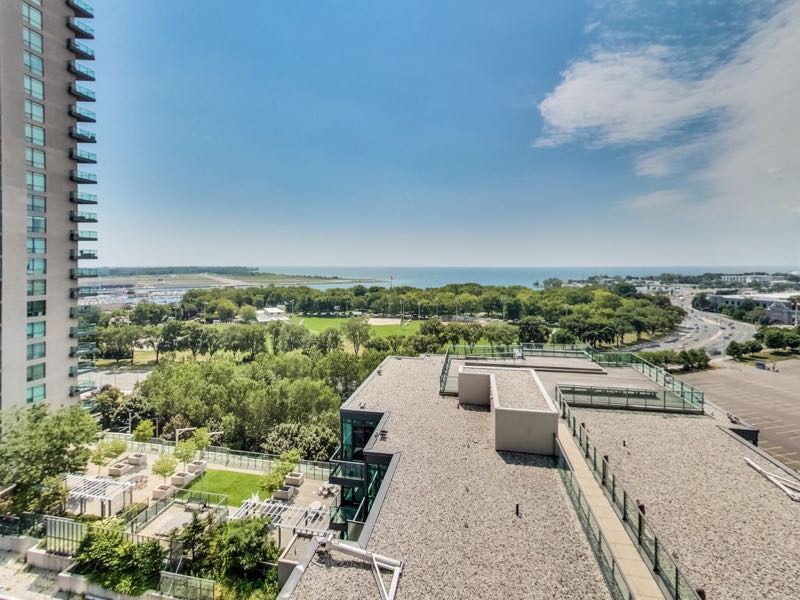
{"points": [[661, 376], [186, 587], [625, 398], [660, 560], [615, 579]]}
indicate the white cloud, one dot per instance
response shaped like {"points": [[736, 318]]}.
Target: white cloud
{"points": [[746, 161], [660, 200]]}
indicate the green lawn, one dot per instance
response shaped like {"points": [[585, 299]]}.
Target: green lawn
{"points": [[770, 356], [320, 324], [237, 486]]}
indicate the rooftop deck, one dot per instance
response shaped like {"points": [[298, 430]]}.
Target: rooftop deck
{"points": [[450, 508], [735, 534]]}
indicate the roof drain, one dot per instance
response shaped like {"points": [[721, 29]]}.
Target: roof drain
{"points": [[377, 562]]}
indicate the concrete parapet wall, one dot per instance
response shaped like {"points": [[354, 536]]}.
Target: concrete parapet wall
{"points": [[474, 388], [37, 557], [18, 544]]}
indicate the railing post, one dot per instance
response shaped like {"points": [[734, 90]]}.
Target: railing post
{"points": [[640, 524], [655, 554], [605, 463], [624, 505]]}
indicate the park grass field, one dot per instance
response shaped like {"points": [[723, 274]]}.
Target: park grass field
{"points": [[237, 486], [320, 324]]}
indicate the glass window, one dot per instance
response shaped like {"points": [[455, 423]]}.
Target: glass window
{"points": [[34, 111], [37, 266], [37, 287], [36, 350], [36, 308], [37, 329], [33, 63], [35, 372], [37, 224], [37, 245], [31, 16], [35, 158], [36, 393], [34, 134], [36, 203], [32, 40], [34, 87]]}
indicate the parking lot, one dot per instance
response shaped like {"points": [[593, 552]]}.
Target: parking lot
{"points": [[770, 401]]}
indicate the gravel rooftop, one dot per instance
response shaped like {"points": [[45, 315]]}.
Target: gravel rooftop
{"points": [[516, 388], [735, 534], [450, 509]]}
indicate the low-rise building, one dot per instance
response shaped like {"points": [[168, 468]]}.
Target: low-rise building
{"points": [[780, 307]]}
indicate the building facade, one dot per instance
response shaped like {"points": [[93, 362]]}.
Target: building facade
{"points": [[44, 349]]}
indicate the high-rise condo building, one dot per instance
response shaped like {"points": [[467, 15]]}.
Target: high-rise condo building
{"points": [[44, 148]]}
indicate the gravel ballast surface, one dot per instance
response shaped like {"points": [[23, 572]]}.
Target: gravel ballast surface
{"points": [[450, 508], [735, 534]]}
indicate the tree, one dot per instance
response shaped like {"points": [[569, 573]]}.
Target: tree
{"points": [[329, 339], [358, 331], [108, 402], [194, 338], [38, 444], [117, 342], [274, 332], [241, 548], [314, 441], [201, 438], [99, 455], [165, 465], [225, 310], [395, 342], [433, 327], [472, 334], [152, 337], [273, 479], [532, 330], [562, 336], [247, 313], [144, 431], [293, 337], [148, 313], [774, 338], [552, 282], [185, 451], [500, 334], [735, 350]]}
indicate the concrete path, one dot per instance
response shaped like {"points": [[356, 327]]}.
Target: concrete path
{"points": [[629, 561]]}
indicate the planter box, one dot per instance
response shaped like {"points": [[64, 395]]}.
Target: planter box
{"points": [[197, 466], [39, 558], [286, 493], [161, 491], [78, 584], [18, 544], [119, 469], [136, 459], [295, 479], [182, 478]]}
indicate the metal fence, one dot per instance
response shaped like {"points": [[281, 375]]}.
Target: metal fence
{"points": [[625, 398], [618, 585], [516, 351], [661, 560], [448, 384], [30, 524], [186, 587], [64, 536], [220, 455], [661, 376]]}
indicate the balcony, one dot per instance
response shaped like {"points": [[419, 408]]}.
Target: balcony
{"points": [[83, 348], [81, 235], [83, 367], [81, 9], [83, 198], [82, 114], [82, 331], [81, 73], [80, 50], [82, 93], [82, 135], [82, 177], [347, 473], [82, 254], [82, 30], [81, 311], [83, 291], [82, 387], [79, 216], [83, 156], [82, 273]]}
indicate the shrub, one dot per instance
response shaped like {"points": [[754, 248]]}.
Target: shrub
{"points": [[282, 467]]}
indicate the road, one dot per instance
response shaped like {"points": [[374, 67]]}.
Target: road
{"points": [[711, 331]]}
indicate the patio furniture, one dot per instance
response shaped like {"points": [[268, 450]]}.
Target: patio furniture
{"points": [[295, 479], [315, 505]]}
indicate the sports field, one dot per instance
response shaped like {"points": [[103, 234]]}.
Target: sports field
{"points": [[320, 324]]}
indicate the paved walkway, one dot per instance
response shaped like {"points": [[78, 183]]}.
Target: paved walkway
{"points": [[629, 561]]}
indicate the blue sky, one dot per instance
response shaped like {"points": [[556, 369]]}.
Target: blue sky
{"points": [[448, 133]]}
